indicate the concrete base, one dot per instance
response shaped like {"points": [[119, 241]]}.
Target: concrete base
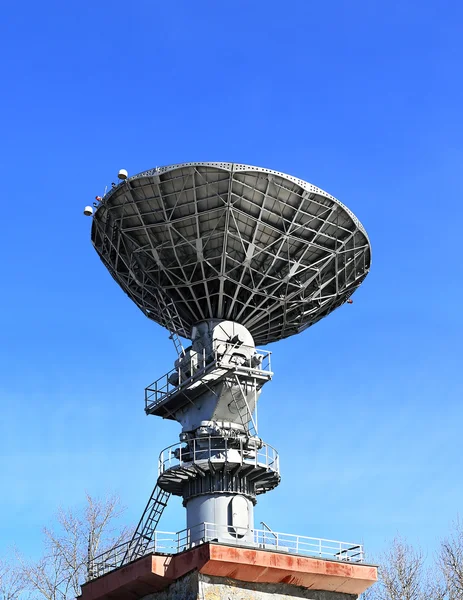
{"points": [[196, 586], [215, 571]]}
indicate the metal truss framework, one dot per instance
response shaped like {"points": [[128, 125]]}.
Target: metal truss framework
{"points": [[196, 241]]}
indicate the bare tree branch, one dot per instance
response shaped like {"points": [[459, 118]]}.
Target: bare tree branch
{"points": [[71, 546], [451, 561], [402, 576], [12, 582], [400, 571]]}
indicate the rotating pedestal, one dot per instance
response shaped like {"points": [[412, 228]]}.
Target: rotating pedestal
{"points": [[220, 465]]}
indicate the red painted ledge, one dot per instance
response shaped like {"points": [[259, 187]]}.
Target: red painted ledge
{"points": [[155, 572]]}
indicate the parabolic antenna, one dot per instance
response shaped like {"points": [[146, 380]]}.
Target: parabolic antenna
{"points": [[230, 241], [228, 256]]}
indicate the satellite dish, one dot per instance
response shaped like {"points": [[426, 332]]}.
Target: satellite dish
{"points": [[231, 241], [229, 256]]}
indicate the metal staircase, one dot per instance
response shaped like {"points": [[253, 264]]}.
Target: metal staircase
{"points": [[242, 406], [147, 525], [170, 310]]}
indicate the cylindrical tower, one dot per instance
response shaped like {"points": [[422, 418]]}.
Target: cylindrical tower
{"points": [[220, 464]]}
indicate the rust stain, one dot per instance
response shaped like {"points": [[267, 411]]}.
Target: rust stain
{"points": [[341, 569]]}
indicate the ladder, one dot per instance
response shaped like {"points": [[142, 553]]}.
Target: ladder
{"points": [[170, 310], [242, 406], [146, 527]]}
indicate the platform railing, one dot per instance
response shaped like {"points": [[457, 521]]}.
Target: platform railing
{"points": [[163, 542], [172, 543], [221, 450], [226, 356]]}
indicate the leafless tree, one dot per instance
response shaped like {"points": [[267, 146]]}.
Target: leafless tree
{"points": [[401, 572], [403, 576], [11, 581], [71, 545], [47, 577], [436, 587], [451, 561]]}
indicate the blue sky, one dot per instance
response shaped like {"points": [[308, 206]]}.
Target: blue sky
{"points": [[362, 99]]}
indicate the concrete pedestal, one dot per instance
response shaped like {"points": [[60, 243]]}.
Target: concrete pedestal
{"points": [[196, 586]]}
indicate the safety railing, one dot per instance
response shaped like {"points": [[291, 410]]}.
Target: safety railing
{"points": [[219, 449], [162, 543], [172, 543], [190, 368], [300, 544]]}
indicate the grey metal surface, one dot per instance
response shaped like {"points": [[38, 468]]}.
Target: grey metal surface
{"points": [[246, 466], [183, 388], [219, 509], [220, 464], [196, 241]]}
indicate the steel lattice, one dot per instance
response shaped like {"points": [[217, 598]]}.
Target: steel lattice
{"points": [[230, 241]]}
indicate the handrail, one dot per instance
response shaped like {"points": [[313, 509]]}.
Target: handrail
{"points": [[192, 366], [171, 543], [228, 450], [267, 528]]}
